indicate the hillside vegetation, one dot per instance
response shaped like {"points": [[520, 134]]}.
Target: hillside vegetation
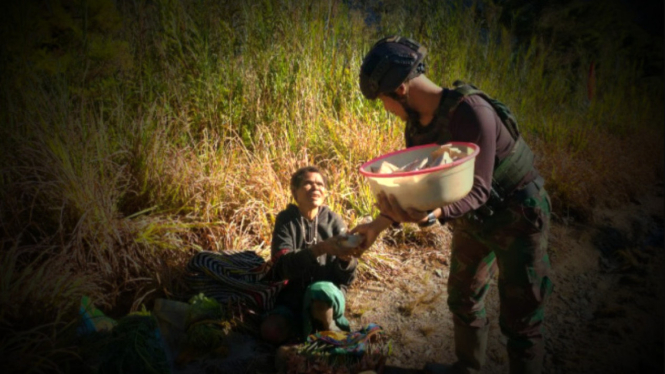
{"points": [[135, 133]]}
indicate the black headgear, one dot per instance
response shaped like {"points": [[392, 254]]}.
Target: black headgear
{"points": [[390, 62]]}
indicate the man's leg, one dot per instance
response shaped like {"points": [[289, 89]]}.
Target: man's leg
{"points": [[525, 285], [471, 269], [323, 308], [322, 315]]}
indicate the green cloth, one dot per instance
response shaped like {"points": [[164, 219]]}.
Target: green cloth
{"points": [[93, 319], [324, 291]]}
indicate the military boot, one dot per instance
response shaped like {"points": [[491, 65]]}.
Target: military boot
{"points": [[470, 348]]}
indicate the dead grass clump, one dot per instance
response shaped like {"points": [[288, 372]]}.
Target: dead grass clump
{"points": [[378, 264], [38, 283], [47, 347], [610, 311], [427, 330], [436, 236], [425, 299], [633, 280], [629, 259], [39, 294], [608, 172]]}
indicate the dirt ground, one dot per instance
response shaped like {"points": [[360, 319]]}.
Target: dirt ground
{"points": [[605, 314]]}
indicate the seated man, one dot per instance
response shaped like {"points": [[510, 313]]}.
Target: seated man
{"points": [[307, 250]]}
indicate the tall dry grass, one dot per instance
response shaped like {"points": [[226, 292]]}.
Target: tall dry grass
{"points": [[156, 129]]}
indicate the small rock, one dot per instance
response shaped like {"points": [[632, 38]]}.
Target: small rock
{"points": [[610, 312]]}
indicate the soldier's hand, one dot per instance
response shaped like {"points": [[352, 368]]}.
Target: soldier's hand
{"points": [[389, 206], [369, 232], [418, 216]]}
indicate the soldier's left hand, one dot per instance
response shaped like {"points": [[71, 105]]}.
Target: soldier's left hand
{"points": [[389, 206]]}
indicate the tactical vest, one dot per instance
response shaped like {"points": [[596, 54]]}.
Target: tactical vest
{"points": [[507, 173]]}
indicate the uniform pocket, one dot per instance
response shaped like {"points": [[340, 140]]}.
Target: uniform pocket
{"points": [[535, 210]]}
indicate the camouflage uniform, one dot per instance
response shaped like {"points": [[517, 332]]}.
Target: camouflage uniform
{"points": [[514, 240], [507, 233]]}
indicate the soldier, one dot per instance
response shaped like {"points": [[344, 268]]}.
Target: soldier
{"points": [[501, 224]]}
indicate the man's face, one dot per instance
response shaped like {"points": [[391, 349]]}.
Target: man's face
{"points": [[312, 191], [393, 107]]}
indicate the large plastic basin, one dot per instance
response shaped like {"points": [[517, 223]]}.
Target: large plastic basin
{"points": [[424, 189]]}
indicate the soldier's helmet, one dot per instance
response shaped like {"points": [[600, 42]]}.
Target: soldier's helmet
{"points": [[391, 61]]}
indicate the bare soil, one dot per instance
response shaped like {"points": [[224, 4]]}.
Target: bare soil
{"points": [[605, 314]]}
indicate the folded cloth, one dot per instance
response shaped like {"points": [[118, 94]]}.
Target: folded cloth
{"points": [[363, 350], [355, 342], [328, 292]]}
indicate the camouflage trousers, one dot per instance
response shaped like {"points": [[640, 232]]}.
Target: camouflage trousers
{"points": [[513, 240]]}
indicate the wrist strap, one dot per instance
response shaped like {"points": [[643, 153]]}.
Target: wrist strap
{"points": [[431, 219]]}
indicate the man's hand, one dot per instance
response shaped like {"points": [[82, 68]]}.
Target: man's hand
{"points": [[389, 206]]}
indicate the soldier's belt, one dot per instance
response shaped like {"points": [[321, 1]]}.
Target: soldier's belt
{"points": [[530, 189], [496, 202]]}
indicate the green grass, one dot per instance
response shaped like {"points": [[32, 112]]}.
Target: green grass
{"points": [[137, 135]]}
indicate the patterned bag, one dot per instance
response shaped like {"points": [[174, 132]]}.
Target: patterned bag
{"points": [[233, 276]]}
